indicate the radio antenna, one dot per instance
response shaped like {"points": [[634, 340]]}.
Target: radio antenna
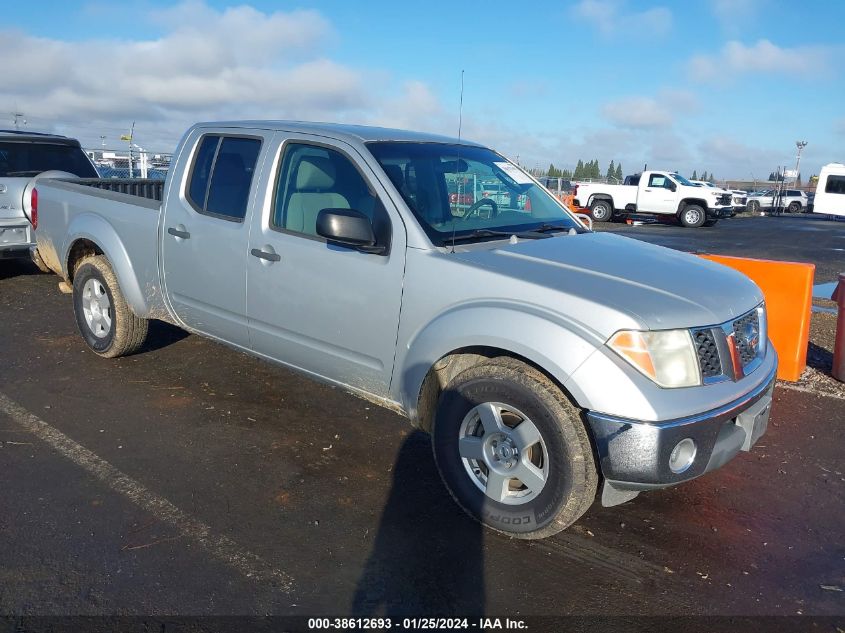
{"points": [[461, 107], [458, 161]]}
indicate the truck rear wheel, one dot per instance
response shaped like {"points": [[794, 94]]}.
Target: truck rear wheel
{"points": [[601, 210], [513, 451], [106, 322], [692, 216]]}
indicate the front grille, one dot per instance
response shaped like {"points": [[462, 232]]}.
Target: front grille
{"points": [[725, 198], [708, 354], [747, 336]]}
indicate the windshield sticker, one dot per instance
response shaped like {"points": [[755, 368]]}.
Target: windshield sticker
{"points": [[514, 172]]}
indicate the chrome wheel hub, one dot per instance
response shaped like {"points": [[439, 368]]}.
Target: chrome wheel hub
{"points": [[96, 308], [503, 453]]}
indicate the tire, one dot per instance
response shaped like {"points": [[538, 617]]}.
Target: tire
{"points": [[753, 206], [794, 207], [692, 216], [601, 210], [558, 456], [36, 258], [106, 322]]}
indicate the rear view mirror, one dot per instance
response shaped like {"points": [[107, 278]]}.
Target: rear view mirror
{"points": [[348, 227], [454, 166]]}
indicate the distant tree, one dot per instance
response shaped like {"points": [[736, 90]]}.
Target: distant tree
{"points": [[566, 174], [619, 171], [704, 176], [611, 171], [694, 175], [579, 171]]}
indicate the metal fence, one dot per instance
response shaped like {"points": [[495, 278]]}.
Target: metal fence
{"points": [[139, 163]]}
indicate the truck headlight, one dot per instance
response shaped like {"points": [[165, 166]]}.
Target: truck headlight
{"points": [[668, 357]]}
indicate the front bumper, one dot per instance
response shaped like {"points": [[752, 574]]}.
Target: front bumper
{"points": [[635, 455], [719, 212]]}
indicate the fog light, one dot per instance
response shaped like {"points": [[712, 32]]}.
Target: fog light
{"points": [[682, 456]]}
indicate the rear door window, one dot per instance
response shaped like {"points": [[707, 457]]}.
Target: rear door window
{"points": [[221, 176]]}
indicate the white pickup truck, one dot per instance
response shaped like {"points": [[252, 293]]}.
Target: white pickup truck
{"points": [[655, 193]]}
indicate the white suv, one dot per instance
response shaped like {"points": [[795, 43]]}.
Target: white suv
{"points": [[791, 200]]}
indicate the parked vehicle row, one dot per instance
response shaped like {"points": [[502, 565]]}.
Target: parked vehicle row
{"points": [[551, 364], [657, 193]]}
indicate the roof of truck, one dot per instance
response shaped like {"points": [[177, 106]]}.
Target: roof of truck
{"points": [[25, 136], [341, 131]]}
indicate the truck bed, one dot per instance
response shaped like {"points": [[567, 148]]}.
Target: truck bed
{"points": [[124, 215]]}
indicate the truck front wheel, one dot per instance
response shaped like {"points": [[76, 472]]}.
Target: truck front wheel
{"points": [[513, 451], [601, 210], [106, 322], [692, 216]]}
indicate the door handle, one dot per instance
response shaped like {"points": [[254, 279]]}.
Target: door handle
{"points": [[177, 233], [648, 190], [270, 257]]}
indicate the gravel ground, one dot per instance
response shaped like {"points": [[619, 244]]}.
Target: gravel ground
{"points": [[817, 376]]}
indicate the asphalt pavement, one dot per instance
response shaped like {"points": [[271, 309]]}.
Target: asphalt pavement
{"points": [[192, 479]]}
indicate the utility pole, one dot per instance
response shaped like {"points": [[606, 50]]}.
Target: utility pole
{"points": [[18, 117], [103, 140], [129, 137], [800, 145]]}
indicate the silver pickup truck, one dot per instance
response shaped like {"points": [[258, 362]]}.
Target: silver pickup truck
{"points": [[25, 154], [551, 364]]}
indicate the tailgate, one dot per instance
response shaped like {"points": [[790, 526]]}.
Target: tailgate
{"points": [[11, 197]]}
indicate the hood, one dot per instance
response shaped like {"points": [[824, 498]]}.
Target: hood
{"points": [[658, 287]]}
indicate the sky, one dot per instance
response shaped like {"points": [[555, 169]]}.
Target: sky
{"points": [[723, 86]]}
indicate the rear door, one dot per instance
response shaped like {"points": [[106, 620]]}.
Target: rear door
{"points": [[656, 195], [206, 233], [329, 310]]}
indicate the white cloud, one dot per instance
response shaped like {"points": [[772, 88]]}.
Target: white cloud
{"points": [[235, 63], [640, 112], [611, 18], [737, 59], [735, 15]]}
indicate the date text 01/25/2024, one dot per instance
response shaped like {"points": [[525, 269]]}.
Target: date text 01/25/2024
{"points": [[414, 624]]}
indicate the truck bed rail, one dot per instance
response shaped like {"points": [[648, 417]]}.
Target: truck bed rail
{"points": [[148, 188]]}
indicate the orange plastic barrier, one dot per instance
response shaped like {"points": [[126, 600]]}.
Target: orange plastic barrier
{"points": [[788, 289]]}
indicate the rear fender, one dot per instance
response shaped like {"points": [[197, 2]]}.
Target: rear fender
{"points": [[545, 339], [92, 227]]}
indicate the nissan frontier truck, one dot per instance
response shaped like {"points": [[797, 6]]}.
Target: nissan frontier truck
{"points": [[553, 366]]}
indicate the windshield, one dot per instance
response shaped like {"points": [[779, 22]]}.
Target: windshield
{"points": [[683, 180], [460, 190], [30, 159]]}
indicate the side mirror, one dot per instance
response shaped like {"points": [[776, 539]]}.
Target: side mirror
{"points": [[673, 186], [348, 227]]}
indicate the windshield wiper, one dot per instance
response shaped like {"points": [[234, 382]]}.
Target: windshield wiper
{"points": [[528, 235], [544, 228]]}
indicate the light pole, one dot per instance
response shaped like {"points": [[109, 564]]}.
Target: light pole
{"points": [[800, 145]]}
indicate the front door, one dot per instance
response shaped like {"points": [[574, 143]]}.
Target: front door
{"points": [[657, 196], [204, 249], [330, 310]]}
